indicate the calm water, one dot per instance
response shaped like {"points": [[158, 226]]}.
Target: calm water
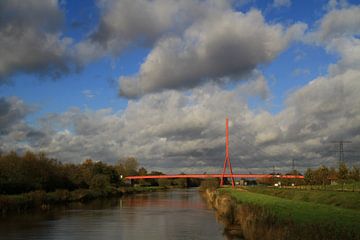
{"points": [[178, 214]]}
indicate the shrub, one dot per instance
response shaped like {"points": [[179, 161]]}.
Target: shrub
{"points": [[211, 183], [163, 182], [100, 181]]}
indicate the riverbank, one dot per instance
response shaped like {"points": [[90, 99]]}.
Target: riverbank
{"points": [[257, 216], [345, 199], [45, 200]]}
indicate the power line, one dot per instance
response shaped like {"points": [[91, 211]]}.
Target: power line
{"points": [[341, 150]]}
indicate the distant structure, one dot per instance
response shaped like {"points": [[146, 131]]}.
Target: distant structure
{"points": [[341, 150]]}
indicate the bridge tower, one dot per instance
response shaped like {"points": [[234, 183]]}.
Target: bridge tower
{"points": [[227, 158]]}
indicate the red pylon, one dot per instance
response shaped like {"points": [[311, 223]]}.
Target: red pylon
{"points": [[227, 158]]}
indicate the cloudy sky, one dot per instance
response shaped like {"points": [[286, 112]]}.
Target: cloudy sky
{"points": [[155, 79]]}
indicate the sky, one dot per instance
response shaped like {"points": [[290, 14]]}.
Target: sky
{"points": [[109, 79]]}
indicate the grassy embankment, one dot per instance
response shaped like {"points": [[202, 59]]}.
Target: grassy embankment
{"points": [[345, 199], [305, 219], [44, 200]]}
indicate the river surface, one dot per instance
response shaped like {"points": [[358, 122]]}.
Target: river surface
{"points": [[176, 214]]}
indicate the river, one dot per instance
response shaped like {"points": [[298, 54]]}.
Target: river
{"points": [[175, 214]]}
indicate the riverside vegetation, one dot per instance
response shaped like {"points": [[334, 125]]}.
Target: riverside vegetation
{"points": [[36, 181], [270, 213]]}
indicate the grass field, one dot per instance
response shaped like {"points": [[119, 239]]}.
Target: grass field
{"points": [[345, 199], [302, 213], [349, 187]]}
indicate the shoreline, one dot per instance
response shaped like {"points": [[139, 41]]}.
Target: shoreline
{"points": [[41, 200], [257, 216]]}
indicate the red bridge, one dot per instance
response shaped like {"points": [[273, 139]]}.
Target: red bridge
{"points": [[214, 176], [221, 176]]}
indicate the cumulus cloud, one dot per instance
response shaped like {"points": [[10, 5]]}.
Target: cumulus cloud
{"points": [[129, 23], [12, 111], [282, 3], [184, 131], [177, 131], [30, 39], [338, 23], [319, 107], [301, 72], [324, 110], [224, 45], [349, 51], [89, 94], [146, 129], [336, 4], [15, 133], [338, 32]]}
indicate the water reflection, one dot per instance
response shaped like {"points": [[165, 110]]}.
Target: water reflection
{"points": [[179, 214]]}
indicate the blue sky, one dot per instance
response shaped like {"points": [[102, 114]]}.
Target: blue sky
{"points": [[105, 67]]}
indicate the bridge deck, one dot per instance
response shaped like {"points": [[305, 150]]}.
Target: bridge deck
{"points": [[213, 176]]}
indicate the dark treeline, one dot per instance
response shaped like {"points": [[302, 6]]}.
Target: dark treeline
{"points": [[30, 172], [35, 171], [324, 175]]}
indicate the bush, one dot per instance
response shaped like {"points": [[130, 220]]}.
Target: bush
{"points": [[163, 182], [181, 182], [100, 181], [211, 183]]}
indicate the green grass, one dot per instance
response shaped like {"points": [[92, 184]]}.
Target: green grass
{"points": [[349, 187], [349, 200], [300, 212]]}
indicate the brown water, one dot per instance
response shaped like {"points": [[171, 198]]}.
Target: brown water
{"points": [[177, 214]]}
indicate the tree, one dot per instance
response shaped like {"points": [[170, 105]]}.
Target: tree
{"points": [[130, 166], [343, 172], [354, 173], [181, 182], [142, 171], [120, 169], [321, 175], [163, 182], [100, 182], [309, 176]]}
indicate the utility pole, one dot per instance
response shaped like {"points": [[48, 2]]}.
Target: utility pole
{"points": [[341, 150], [293, 165]]}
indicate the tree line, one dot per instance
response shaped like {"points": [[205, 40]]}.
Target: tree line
{"points": [[35, 171], [324, 175]]}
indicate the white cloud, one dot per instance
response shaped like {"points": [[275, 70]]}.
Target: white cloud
{"points": [[224, 45], [301, 72], [30, 39], [282, 3], [336, 4], [88, 93], [12, 111], [129, 23], [184, 131], [338, 23], [349, 50]]}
